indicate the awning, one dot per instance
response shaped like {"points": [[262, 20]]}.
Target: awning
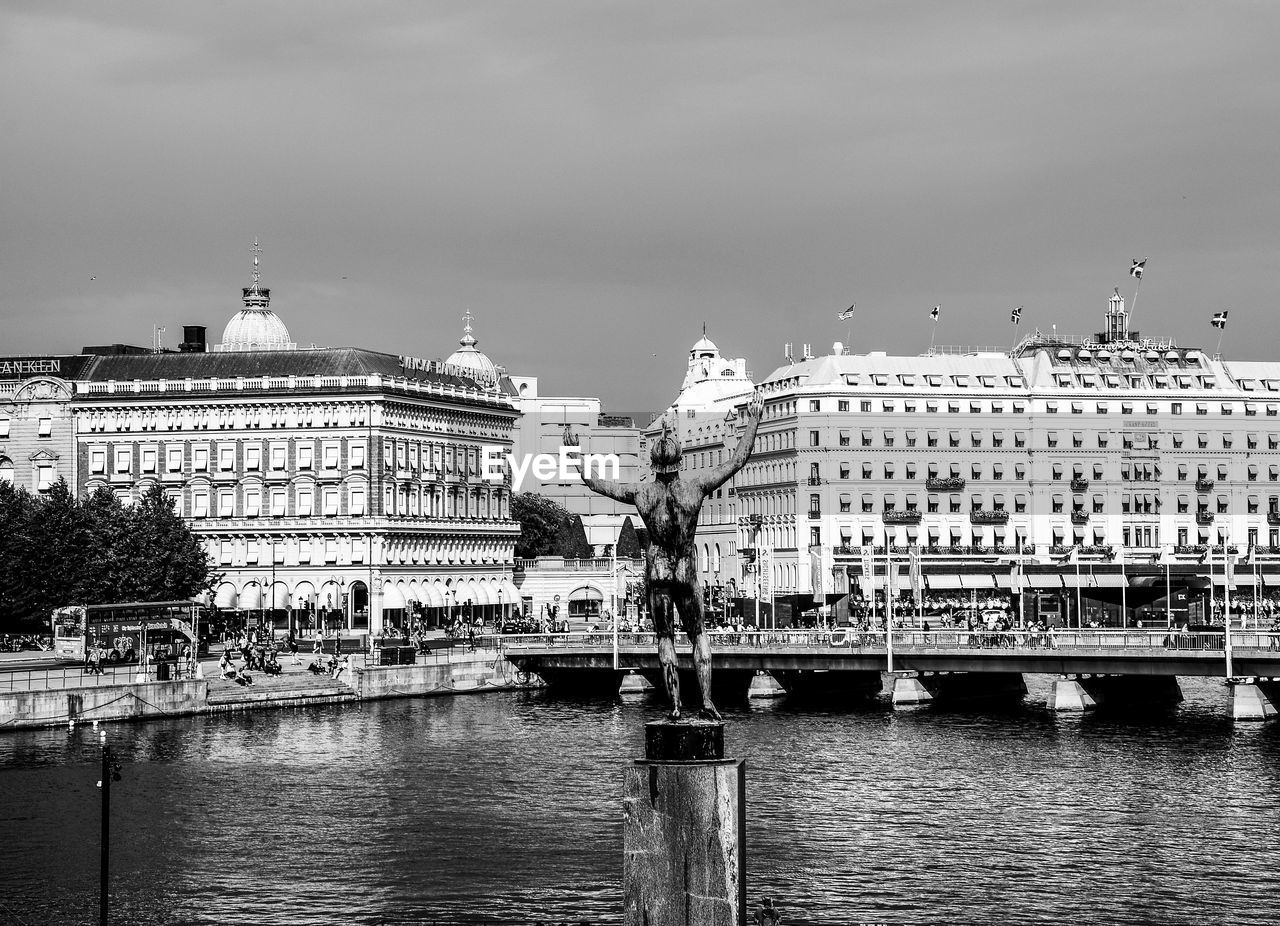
{"points": [[226, 597], [1270, 580], [392, 597], [1045, 582], [433, 597], [943, 582], [251, 597], [510, 592], [1105, 580], [978, 581], [586, 593], [1239, 578]]}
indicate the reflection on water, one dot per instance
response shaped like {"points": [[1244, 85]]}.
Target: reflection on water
{"points": [[505, 808]]}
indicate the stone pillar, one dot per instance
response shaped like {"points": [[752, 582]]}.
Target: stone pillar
{"points": [[909, 689], [1254, 698], [765, 686], [634, 685], [684, 830], [1085, 692]]}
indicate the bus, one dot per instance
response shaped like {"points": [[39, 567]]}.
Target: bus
{"points": [[124, 632]]}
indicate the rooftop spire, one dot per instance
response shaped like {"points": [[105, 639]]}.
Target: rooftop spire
{"points": [[254, 295], [467, 340]]}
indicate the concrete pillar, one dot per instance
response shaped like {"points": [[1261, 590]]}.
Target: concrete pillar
{"points": [[684, 830], [1085, 692], [764, 686], [1254, 698], [634, 685], [909, 689]]}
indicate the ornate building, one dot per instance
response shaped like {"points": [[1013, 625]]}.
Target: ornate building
{"points": [[337, 480]]}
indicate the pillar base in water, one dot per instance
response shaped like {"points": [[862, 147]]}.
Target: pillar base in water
{"points": [[634, 685], [684, 831], [1077, 693], [1254, 699], [764, 685]]}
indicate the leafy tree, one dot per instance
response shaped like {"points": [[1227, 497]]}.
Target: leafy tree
{"points": [[628, 541], [57, 550], [572, 541], [540, 523]]}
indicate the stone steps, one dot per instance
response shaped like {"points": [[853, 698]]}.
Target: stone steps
{"points": [[291, 688]]}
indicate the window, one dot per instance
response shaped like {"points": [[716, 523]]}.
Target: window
{"points": [[330, 501], [888, 438], [124, 460], [842, 405], [279, 457], [813, 439], [866, 471], [933, 504], [252, 459], [252, 502], [356, 501], [864, 406], [97, 461], [1019, 438], [844, 470], [331, 456], [4, 427], [1176, 408], [815, 405], [1019, 504], [306, 456], [953, 439], [1051, 438], [149, 461], [976, 471], [305, 502], [226, 457], [226, 503], [200, 504], [955, 504], [46, 476], [279, 500], [931, 438], [173, 459], [46, 427]]}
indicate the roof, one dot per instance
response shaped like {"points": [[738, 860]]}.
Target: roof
{"points": [[328, 361]]}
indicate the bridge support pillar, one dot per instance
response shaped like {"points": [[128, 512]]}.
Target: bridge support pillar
{"points": [[1083, 692], [684, 830], [913, 688], [764, 686], [634, 685], [1254, 698]]}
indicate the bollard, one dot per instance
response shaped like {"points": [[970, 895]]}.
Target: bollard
{"points": [[684, 830]]}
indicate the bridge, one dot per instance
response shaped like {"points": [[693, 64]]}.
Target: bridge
{"points": [[1091, 667]]}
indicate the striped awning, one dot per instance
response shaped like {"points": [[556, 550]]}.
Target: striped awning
{"points": [[943, 582]]}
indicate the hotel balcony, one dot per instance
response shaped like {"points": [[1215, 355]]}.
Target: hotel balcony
{"points": [[894, 516], [1079, 517], [944, 484], [1204, 517], [1079, 485], [1273, 518], [1204, 485], [988, 517]]}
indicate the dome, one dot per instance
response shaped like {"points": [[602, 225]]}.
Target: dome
{"points": [[704, 349], [255, 329], [471, 360]]}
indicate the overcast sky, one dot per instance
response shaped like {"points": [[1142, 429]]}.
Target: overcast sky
{"points": [[594, 180]]}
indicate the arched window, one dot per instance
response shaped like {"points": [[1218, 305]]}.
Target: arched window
{"points": [[702, 562], [6, 470], [715, 560]]}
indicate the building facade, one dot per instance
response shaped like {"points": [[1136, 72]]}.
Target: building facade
{"points": [[1117, 448]]}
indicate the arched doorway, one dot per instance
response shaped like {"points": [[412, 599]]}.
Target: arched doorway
{"points": [[358, 606]]}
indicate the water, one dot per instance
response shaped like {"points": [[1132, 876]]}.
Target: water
{"points": [[505, 808]]}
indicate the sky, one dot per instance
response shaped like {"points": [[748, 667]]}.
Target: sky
{"points": [[595, 180]]}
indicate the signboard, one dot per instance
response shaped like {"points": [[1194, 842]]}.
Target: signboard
{"points": [[868, 570], [764, 573], [816, 573], [67, 367], [914, 571]]}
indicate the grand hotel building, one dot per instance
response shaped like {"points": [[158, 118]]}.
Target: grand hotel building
{"points": [[344, 481], [1137, 454]]}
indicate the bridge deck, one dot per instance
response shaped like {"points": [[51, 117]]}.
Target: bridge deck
{"points": [[1100, 652]]}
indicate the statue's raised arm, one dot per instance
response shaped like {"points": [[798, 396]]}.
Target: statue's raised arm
{"points": [[719, 475], [624, 492]]}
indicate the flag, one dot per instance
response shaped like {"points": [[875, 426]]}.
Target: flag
{"points": [[846, 314], [1137, 268], [934, 312], [1016, 315], [1072, 557], [1219, 320]]}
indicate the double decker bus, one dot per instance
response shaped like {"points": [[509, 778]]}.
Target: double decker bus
{"points": [[124, 632]]}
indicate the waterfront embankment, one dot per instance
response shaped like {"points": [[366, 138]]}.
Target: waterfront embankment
{"points": [[59, 697]]}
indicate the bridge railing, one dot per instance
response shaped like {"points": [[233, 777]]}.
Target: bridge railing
{"points": [[906, 640]]}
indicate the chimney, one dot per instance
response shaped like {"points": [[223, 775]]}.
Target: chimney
{"points": [[786, 352], [193, 340], [808, 352]]}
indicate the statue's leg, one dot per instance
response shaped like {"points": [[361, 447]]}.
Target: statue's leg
{"points": [[689, 602], [664, 629]]}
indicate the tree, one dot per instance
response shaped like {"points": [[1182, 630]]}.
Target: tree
{"points": [[540, 523], [628, 541], [56, 550]]}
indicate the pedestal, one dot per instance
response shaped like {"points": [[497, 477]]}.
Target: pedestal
{"points": [[684, 830], [765, 686]]}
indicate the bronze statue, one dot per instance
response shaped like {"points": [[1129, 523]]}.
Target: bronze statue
{"points": [[669, 507]]}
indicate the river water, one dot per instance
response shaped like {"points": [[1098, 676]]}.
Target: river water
{"points": [[505, 808]]}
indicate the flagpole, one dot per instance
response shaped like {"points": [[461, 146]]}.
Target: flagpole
{"points": [[1217, 351], [1134, 304], [1079, 602], [1226, 607], [888, 603], [1168, 604]]}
